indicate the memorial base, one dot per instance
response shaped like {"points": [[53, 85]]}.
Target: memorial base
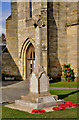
{"points": [[39, 96], [41, 102]]}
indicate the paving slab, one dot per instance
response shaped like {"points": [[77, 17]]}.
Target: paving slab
{"points": [[61, 88], [15, 91], [26, 109]]}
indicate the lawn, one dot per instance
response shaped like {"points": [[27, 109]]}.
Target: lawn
{"points": [[67, 95], [64, 84], [11, 113]]}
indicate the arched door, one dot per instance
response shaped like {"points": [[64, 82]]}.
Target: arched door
{"points": [[30, 60]]}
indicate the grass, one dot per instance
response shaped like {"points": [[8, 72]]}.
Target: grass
{"points": [[64, 84], [11, 113], [67, 95]]}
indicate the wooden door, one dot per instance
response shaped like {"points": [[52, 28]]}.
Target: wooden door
{"points": [[30, 60]]}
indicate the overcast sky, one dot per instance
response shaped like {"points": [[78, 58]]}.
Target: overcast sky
{"points": [[5, 12]]}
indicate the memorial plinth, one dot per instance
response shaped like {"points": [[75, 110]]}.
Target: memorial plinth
{"points": [[39, 96]]}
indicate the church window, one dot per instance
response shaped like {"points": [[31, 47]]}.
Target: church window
{"points": [[30, 5], [31, 68], [31, 55]]}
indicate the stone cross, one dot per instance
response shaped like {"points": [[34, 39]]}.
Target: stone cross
{"points": [[39, 81], [38, 51]]}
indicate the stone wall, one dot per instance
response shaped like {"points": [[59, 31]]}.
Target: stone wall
{"points": [[12, 33], [59, 35], [10, 60], [26, 29], [57, 45], [63, 37], [72, 36], [62, 34], [8, 65]]}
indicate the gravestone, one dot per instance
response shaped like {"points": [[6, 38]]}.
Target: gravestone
{"points": [[39, 96]]}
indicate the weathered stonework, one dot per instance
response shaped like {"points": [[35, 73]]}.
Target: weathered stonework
{"points": [[59, 35], [72, 36]]}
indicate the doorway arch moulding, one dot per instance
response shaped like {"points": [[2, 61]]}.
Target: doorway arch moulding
{"points": [[22, 56]]}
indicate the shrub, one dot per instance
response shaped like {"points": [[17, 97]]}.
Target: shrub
{"points": [[68, 73], [7, 75]]}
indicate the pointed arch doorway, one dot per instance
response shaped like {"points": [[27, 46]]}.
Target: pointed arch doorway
{"points": [[30, 60]]}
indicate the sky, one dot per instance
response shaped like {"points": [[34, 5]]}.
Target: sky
{"points": [[5, 12]]}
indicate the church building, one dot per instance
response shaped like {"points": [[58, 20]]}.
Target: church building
{"points": [[59, 38]]}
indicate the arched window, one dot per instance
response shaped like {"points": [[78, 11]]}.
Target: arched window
{"points": [[30, 6]]}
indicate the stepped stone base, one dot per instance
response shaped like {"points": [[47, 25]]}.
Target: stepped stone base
{"points": [[34, 97], [41, 102]]}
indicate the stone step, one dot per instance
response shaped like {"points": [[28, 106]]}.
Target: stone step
{"points": [[47, 99], [45, 104]]}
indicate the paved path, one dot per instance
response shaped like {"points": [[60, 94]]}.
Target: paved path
{"points": [[9, 82], [15, 91], [61, 88]]}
